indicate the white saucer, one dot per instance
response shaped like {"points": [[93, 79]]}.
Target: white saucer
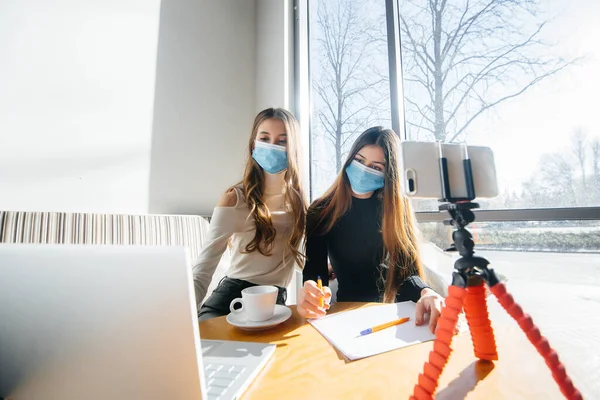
{"points": [[282, 313]]}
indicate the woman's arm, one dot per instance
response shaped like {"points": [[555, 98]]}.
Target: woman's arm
{"points": [[316, 251], [313, 302], [222, 226], [428, 301], [411, 289]]}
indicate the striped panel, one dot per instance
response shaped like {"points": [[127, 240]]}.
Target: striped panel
{"points": [[81, 228]]}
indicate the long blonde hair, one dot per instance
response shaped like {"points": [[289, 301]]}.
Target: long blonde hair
{"points": [[253, 185], [398, 228]]}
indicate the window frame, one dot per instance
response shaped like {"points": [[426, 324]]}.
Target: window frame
{"points": [[301, 89]]}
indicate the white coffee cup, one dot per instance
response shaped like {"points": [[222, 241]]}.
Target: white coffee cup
{"points": [[258, 303]]}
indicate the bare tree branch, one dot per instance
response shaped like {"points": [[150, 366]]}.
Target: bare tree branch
{"points": [[457, 56], [495, 103], [420, 126]]}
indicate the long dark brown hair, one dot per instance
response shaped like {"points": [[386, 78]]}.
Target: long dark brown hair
{"points": [[253, 185], [398, 226]]}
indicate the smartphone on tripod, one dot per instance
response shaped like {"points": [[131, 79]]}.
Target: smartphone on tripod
{"points": [[455, 175], [424, 177]]}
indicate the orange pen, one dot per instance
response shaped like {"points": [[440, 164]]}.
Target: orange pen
{"points": [[320, 286], [384, 326]]}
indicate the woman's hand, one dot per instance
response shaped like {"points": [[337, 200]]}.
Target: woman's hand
{"points": [[431, 303], [309, 297]]}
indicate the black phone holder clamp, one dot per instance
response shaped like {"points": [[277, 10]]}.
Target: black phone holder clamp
{"points": [[461, 215], [468, 269]]}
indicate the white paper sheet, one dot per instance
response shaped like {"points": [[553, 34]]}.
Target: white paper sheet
{"points": [[343, 330]]}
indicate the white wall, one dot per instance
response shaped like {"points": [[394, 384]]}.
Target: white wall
{"points": [[76, 97], [219, 63], [103, 111], [274, 54], [204, 102]]}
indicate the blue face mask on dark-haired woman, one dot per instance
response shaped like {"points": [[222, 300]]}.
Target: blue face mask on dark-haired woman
{"points": [[364, 179]]}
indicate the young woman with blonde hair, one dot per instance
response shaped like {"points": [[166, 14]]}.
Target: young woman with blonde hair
{"points": [[365, 227], [262, 218]]}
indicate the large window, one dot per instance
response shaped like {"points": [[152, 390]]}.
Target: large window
{"points": [[518, 76]]}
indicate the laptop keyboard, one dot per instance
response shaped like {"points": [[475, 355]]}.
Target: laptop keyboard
{"points": [[220, 377]]}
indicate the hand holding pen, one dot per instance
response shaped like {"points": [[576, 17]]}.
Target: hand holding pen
{"points": [[313, 299]]}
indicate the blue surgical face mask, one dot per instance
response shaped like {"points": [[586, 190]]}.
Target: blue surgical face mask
{"points": [[364, 179], [271, 157]]}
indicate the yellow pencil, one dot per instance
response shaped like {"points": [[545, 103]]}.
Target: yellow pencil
{"points": [[384, 326], [320, 286]]}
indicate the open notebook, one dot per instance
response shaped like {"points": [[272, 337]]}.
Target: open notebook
{"points": [[342, 330]]}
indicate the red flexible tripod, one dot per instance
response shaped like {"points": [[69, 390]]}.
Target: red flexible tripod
{"points": [[467, 290]]}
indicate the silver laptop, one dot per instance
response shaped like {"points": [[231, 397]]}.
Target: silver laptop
{"points": [[111, 322]]}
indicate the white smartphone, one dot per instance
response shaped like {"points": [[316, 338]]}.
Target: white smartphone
{"points": [[422, 177]]}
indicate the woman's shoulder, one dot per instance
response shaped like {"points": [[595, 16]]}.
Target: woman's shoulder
{"points": [[232, 197], [228, 199], [315, 217], [315, 208]]}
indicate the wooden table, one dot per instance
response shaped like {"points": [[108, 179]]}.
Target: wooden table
{"points": [[306, 366]]}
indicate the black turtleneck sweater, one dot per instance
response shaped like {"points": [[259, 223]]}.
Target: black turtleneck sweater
{"points": [[355, 249]]}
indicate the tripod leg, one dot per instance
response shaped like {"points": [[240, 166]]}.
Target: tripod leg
{"points": [[480, 326], [539, 342], [438, 357]]}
